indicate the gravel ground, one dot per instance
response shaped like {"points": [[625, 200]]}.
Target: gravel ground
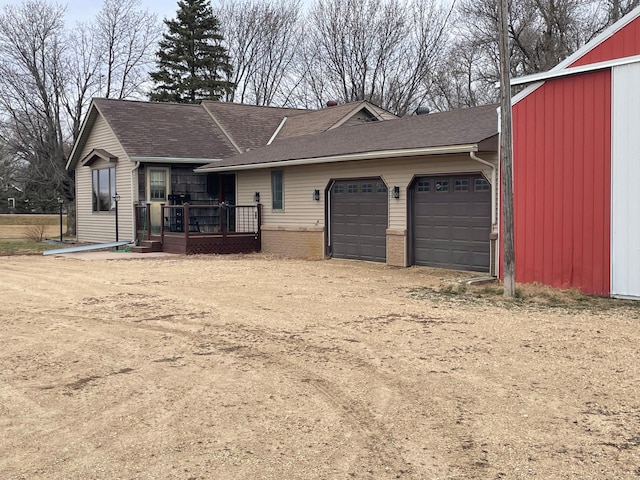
{"points": [[254, 367]]}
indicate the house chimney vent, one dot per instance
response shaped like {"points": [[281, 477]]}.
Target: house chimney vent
{"points": [[422, 110]]}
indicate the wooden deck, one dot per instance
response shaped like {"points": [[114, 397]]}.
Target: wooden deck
{"points": [[210, 229]]}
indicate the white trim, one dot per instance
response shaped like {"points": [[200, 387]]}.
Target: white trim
{"points": [[362, 106], [536, 77], [581, 52], [174, 160], [277, 131], [75, 146], [625, 144], [347, 158]]}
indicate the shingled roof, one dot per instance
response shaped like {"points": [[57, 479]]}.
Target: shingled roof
{"points": [[322, 120], [152, 130], [466, 129], [249, 126]]}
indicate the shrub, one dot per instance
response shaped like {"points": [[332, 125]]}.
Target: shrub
{"points": [[35, 232]]}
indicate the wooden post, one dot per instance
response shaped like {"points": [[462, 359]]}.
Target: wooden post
{"points": [[259, 206], [506, 152], [161, 220], [185, 221]]}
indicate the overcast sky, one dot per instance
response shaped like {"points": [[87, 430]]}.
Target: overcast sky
{"points": [[83, 10]]}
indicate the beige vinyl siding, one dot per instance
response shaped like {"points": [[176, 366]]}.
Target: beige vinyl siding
{"points": [[99, 227], [300, 210]]}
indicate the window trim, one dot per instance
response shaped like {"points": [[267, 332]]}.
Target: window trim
{"points": [[95, 200], [277, 195]]}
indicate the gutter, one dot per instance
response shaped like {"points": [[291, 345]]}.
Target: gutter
{"points": [[174, 160], [469, 148]]}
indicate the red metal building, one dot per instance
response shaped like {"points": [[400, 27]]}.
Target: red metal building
{"points": [[576, 134]]}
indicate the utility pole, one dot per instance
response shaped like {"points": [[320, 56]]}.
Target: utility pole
{"points": [[506, 153]]}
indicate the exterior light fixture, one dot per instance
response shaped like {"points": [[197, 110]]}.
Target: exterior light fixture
{"points": [[256, 197], [316, 195], [396, 192], [60, 203]]}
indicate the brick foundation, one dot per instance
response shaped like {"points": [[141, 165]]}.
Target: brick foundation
{"points": [[396, 248], [295, 242]]}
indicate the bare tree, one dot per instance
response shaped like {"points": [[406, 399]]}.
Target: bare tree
{"points": [[32, 79], [262, 38], [126, 39], [541, 34], [377, 50]]}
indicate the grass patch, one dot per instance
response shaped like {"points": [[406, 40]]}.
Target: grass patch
{"points": [[23, 247], [32, 219], [532, 297]]}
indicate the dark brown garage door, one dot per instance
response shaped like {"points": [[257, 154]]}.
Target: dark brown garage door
{"points": [[358, 219], [451, 222]]}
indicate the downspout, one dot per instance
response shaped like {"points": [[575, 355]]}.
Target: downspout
{"points": [[493, 185], [494, 222], [134, 199]]}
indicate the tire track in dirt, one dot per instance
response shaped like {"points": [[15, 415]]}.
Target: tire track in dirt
{"points": [[375, 441]]}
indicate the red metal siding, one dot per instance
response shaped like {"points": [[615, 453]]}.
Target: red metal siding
{"points": [[624, 43], [562, 158]]}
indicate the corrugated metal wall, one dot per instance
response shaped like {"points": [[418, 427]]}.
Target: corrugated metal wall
{"points": [[625, 194], [562, 159]]}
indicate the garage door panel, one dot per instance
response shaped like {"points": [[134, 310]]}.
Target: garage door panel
{"points": [[359, 219], [451, 228]]}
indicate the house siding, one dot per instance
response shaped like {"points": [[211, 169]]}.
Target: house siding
{"points": [[94, 227], [562, 172], [625, 194], [301, 211]]}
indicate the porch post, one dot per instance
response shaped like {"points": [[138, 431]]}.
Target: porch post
{"points": [[148, 225], [186, 222], [259, 207], [161, 220], [223, 221]]}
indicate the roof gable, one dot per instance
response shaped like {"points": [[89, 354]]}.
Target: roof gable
{"points": [[98, 154], [156, 130], [332, 117], [624, 42], [620, 40]]}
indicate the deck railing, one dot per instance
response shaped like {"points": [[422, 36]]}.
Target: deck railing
{"points": [[190, 229], [217, 219]]}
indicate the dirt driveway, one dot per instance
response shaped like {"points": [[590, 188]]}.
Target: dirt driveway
{"points": [[262, 368]]}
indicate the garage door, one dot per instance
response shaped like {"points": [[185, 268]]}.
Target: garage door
{"points": [[452, 222], [358, 219]]}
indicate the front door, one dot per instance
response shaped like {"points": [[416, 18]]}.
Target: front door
{"points": [[158, 181]]}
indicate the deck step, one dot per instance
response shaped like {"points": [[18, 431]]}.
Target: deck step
{"points": [[148, 246]]}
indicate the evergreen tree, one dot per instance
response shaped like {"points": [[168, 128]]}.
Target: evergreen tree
{"points": [[192, 64]]}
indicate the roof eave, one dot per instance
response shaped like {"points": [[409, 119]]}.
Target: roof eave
{"points": [[71, 163], [174, 160], [411, 152], [551, 74]]}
